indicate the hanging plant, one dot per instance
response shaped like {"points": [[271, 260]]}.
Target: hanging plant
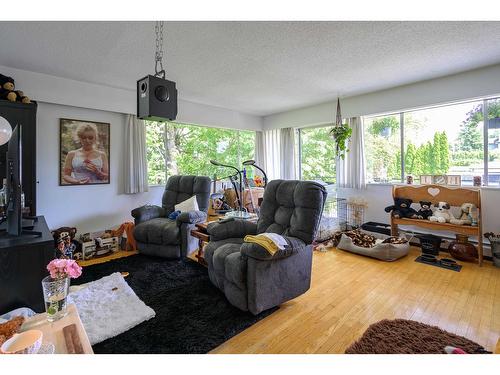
{"points": [[341, 134]]}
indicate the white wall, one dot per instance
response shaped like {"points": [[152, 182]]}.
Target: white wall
{"points": [[57, 90], [467, 85], [91, 207]]}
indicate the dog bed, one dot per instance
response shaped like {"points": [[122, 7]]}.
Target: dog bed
{"points": [[383, 251]]}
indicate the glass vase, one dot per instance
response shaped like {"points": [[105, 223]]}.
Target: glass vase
{"points": [[55, 293]]}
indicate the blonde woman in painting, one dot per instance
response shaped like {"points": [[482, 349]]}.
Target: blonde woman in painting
{"points": [[86, 165]]}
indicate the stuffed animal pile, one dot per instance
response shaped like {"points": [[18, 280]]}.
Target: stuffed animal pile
{"points": [[440, 214], [362, 239], [8, 91]]}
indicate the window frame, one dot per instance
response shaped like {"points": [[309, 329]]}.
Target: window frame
{"points": [[401, 114], [238, 140], [299, 145]]}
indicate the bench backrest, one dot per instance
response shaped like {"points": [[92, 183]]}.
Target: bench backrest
{"points": [[438, 193]]}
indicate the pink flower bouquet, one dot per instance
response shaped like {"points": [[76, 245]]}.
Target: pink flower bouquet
{"points": [[61, 268]]}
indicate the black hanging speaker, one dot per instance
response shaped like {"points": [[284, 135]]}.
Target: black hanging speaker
{"points": [[156, 99]]}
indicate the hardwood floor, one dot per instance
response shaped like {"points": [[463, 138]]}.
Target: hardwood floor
{"points": [[350, 292]]}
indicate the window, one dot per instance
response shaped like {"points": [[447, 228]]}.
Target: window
{"points": [[174, 148], [450, 139], [493, 134], [317, 154], [383, 149]]}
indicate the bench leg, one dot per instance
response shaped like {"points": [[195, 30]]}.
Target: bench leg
{"points": [[394, 229], [480, 250]]}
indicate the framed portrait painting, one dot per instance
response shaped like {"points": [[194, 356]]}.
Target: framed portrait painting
{"points": [[83, 152]]}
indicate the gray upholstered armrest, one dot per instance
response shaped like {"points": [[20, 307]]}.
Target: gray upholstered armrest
{"points": [[147, 212], [255, 251], [231, 229], [192, 217]]}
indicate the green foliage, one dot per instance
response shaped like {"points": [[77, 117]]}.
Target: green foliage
{"points": [[318, 154], [187, 149], [384, 126], [382, 144], [341, 135], [429, 158], [470, 137]]}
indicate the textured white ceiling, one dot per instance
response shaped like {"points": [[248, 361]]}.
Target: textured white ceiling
{"points": [[254, 67]]}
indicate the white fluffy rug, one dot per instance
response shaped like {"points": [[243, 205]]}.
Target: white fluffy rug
{"points": [[108, 307]]}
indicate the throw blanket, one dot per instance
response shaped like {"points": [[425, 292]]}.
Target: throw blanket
{"points": [[108, 307], [272, 242]]}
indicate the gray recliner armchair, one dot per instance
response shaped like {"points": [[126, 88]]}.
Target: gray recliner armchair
{"points": [[251, 278], [158, 235]]}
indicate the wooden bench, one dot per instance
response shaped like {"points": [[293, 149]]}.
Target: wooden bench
{"points": [[437, 193]]}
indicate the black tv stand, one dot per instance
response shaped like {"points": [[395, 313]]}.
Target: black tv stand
{"points": [[23, 262]]}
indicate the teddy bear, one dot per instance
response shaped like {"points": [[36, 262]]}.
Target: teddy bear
{"points": [[425, 210], [7, 88], [465, 215], [442, 213], [402, 209], [22, 98], [8, 92]]}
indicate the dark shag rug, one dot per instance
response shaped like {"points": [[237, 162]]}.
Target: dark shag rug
{"points": [[401, 336], [192, 315]]}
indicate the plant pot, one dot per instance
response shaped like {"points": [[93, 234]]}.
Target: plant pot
{"points": [[429, 243], [495, 251], [55, 293], [462, 249]]}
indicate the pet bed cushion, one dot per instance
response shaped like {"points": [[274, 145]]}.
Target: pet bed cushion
{"points": [[108, 307], [382, 251]]}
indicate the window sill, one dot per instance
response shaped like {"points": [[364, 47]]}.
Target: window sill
{"points": [[400, 184]]}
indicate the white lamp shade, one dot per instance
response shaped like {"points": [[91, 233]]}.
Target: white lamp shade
{"points": [[5, 131]]}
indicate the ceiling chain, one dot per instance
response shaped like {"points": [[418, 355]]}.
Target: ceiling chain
{"points": [[159, 71]]}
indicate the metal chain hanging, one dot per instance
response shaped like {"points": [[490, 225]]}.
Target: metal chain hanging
{"points": [[338, 120], [159, 71]]}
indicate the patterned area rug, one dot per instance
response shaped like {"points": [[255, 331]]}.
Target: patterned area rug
{"points": [[192, 315], [402, 336]]}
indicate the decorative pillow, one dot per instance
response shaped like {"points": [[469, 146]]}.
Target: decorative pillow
{"points": [[190, 204]]}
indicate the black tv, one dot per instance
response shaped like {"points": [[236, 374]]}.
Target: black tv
{"points": [[14, 183], [16, 225]]}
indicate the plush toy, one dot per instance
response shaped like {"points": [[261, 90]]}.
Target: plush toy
{"points": [[22, 98], [425, 210], [7, 88], [465, 214], [442, 213], [8, 92], [402, 208], [65, 243]]}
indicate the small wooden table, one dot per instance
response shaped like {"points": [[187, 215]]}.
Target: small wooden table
{"points": [[53, 332], [203, 238]]}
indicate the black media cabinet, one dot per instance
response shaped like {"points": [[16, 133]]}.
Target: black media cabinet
{"points": [[23, 262]]}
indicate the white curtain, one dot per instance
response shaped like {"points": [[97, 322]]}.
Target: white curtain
{"points": [[275, 152], [271, 140], [287, 154], [351, 170], [136, 168], [260, 151]]}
